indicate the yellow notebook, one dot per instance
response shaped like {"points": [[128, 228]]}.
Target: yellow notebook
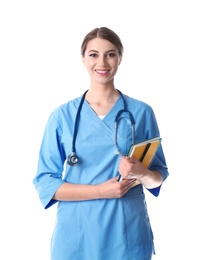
{"points": [[144, 152]]}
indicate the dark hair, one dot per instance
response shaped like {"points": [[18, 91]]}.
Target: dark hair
{"points": [[102, 33]]}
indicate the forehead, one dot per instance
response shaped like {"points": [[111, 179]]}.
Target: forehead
{"points": [[100, 45]]}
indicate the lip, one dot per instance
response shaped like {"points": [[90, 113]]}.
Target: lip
{"points": [[102, 72]]}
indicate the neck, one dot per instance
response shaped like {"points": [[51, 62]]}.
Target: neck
{"points": [[102, 95], [102, 101]]}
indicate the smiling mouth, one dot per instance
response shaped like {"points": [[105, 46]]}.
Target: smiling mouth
{"points": [[103, 72]]}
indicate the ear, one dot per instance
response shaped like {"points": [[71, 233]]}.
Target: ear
{"points": [[83, 59], [120, 60]]}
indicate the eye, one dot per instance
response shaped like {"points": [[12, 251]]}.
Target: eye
{"points": [[94, 55], [111, 54]]}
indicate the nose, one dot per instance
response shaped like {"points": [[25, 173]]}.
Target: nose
{"points": [[102, 61]]}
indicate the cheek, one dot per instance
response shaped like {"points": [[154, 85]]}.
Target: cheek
{"points": [[89, 64]]}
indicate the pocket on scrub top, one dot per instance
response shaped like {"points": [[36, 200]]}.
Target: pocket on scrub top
{"points": [[137, 221]]}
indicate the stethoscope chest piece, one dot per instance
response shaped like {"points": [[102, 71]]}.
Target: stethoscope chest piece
{"points": [[72, 159]]}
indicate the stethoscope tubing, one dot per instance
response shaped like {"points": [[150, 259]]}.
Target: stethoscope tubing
{"points": [[73, 159]]}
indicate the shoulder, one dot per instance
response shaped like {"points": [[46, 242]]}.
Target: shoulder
{"points": [[67, 107], [137, 104], [64, 113], [144, 117]]}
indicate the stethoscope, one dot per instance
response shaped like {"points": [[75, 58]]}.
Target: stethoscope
{"points": [[73, 159]]}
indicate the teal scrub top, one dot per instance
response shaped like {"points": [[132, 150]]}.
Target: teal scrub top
{"points": [[112, 229]]}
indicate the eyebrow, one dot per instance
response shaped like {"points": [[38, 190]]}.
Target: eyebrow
{"points": [[106, 51]]}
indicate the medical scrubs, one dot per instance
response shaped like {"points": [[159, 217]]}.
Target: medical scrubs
{"points": [[111, 229]]}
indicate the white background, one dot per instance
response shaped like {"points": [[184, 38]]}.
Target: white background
{"points": [[40, 68]]}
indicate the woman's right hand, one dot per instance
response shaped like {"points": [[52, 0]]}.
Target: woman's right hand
{"points": [[114, 189]]}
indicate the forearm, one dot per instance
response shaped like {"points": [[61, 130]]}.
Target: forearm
{"points": [[151, 179], [106, 190], [132, 168], [75, 192]]}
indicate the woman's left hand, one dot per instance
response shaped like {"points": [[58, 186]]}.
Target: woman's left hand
{"points": [[131, 168]]}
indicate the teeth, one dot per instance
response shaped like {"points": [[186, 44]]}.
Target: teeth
{"points": [[102, 71]]}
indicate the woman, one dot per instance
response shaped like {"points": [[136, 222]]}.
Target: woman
{"points": [[98, 217]]}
